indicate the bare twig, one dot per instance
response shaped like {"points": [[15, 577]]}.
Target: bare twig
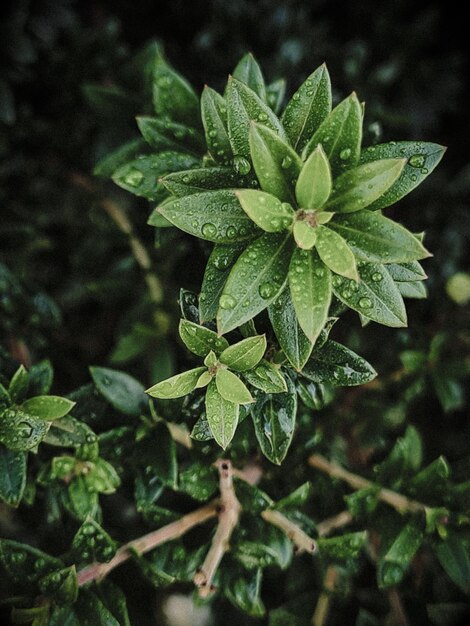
{"points": [[396, 500], [322, 607], [397, 609], [301, 540], [332, 523], [229, 513]]}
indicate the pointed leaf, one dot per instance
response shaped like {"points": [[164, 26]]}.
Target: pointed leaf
{"points": [[243, 107], [19, 384], [173, 96], [310, 288], [249, 72], [202, 179], [313, 186], [218, 268], [406, 272], [291, 337], [373, 237], [335, 364], [12, 476], [122, 391], [305, 235], [255, 280], [176, 386], [376, 296], [276, 164], [307, 108], [415, 289], [245, 354], [393, 565], [275, 93], [266, 211], [422, 158], [213, 215], [211, 359], [115, 159], [274, 421], [20, 431], [161, 134], [358, 188], [92, 543], [231, 388], [222, 415], [246, 594], [48, 407], [214, 119], [335, 253], [201, 340], [340, 134], [454, 558], [267, 377]]}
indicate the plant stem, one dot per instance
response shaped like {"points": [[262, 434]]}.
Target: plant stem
{"points": [[301, 540], [322, 607], [398, 501], [332, 523]]}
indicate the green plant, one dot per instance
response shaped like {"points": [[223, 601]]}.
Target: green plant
{"points": [[294, 207]]}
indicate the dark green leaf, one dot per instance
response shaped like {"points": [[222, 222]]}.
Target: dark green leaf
{"points": [[249, 72], [393, 565], [176, 386], [173, 96], [114, 600], [24, 564], [245, 594], [20, 431], [48, 407], [448, 389], [221, 415], [214, 118], [346, 546], [454, 557], [117, 158], [12, 475], [336, 364], [40, 378], [201, 340], [92, 543], [267, 377], [202, 179], [161, 134], [122, 391], [245, 354], [199, 481], [61, 585], [295, 499], [275, 93], [19, 384]]}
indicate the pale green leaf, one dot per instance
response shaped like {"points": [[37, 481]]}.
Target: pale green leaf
{"points": [[231, 388], [201, 340], [305, 235], [222, 415], [176, 386], [266, 211], [335, 253], [245, 354], [313, 186], [47, 407], [267, 377], [249, 72]]}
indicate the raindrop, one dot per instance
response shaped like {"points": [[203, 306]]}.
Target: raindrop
{"points": [[266, 290], [377, 277], [134, 177], [227, 302], [417, 160], [365, 303], [209, 230], [24, 430], [286, 162], [231, 232], [242, 165], [345, 154]]}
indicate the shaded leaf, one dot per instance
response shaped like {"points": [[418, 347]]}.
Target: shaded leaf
{"points": [[336, 364], [121, 390], [293, 341], [214, 118], [267, 377], [12, 475], [173, 96]]}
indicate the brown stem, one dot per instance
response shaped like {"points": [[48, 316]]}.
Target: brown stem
{"points": [[322, 607], [300, 539], [397, 609], [229, 513], [332, 523], [396, 500]]}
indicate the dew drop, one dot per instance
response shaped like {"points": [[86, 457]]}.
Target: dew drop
{"points": [[24, 430], [266, 290], [212, 133], [365, 303], [227, 302], [241, 165], [231, 232], [345, 154], [209, 230], [417, 160], [377, 277], [286, 162], [134, 177]]}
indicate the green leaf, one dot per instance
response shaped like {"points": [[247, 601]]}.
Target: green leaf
{"points": [[358, 188], [20, 431], [201, 340], [164, 464], [214, 119], [60, 585], [295, 499], [249, 72], [231, 388], [115, 159], [393, 565], [12, 475], [346, 546], [48, 407], [142, 175], [266, 211], [245, 354], [406, 272], [91, 610], [36, 616], [275, 93], [313, 186], [336, 364], [307, 108], [25, 564], [202, 179], [422, 158], [274, 421], [255, 280], [412, 290], [217, 270], [246, 594], [102, 477], [198, 481], [40, 378], [276, 164], [68, 432], [213, 215], [340, 135], [165, 135], [267, 377], [81, 501], [122, 391], [291, 337], [376, 296], [447, 388], [335, 253], [173, 96], [305, 235], [222, 415], [5, 400], [92, 543], [310, 288], [455, 559], [176, 386], [19, 384], [114, 600], [243, 107], [375, 238]]}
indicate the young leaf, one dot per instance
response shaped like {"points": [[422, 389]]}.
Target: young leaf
{"points": [[19, 384], [202, 179], [307, 108], [213, 215], [243, 107], [231, 388], [335, 253], [267, 377], [340, 135], [165, 135], [249, 72], [347, 546], [356, 189], [176, 386], [201, 340], [255, 280], [313, 186], [245, 354], [48, 407], [266, 211], [221, 415], [375, 238], [376, 296], [274, 421], [122, 391], [276, 164], [305, 235], [310, 288], [214, 119], [334, 363], [173, 96], [421, 157], [12, 475], [218, 268], [291, 337]]}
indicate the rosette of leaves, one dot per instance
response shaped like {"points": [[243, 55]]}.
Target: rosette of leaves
{"points": [[223, 365]]}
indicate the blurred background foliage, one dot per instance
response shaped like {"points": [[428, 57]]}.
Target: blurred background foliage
{"points": [[71, 287]]}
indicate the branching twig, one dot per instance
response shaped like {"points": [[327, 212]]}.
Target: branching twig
{"points": [[396, 500], [301, 540], [229, 512]]}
